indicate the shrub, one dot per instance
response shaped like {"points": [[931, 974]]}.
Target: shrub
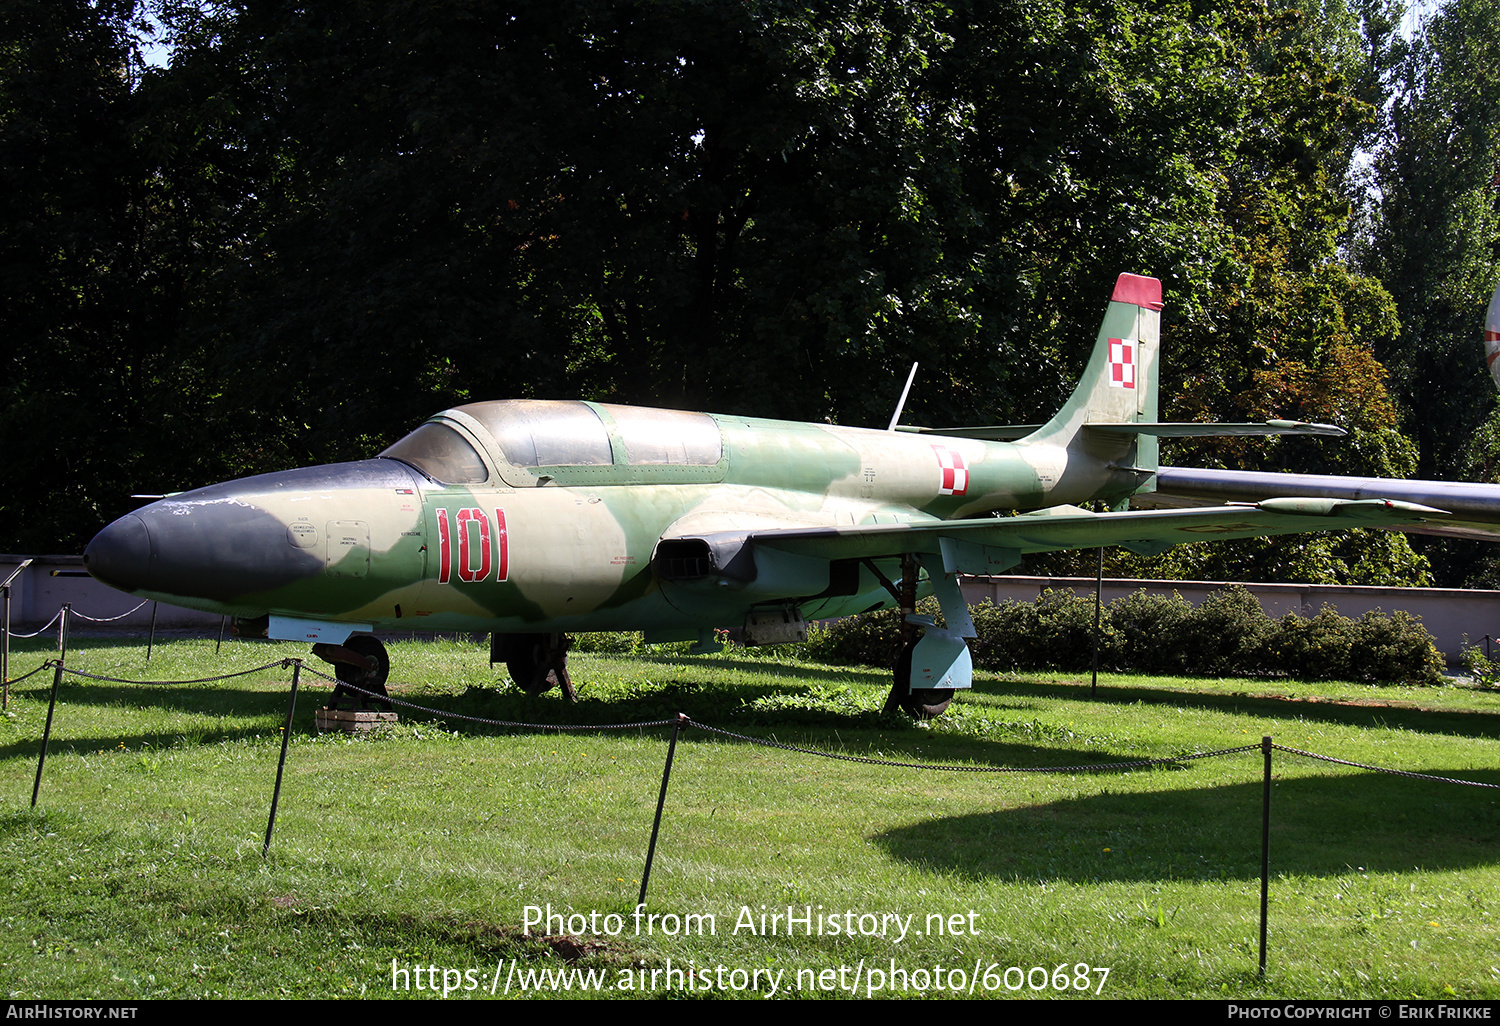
{"points": [[1486, 672], [1056, 632], [1065, 633], [1393, 649], [1148, 628], [1005, 634], [1226, 634], [869, 639], [1312, 649]]}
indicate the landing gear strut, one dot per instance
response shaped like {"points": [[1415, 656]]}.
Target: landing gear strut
{"points": [[537, 662], [361, 662]]}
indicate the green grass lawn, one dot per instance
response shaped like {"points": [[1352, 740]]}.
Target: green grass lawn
{"points": [[140, 875]]}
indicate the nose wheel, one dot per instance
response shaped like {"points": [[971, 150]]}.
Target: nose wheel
{"points": [[362, 663], [537, 662]]}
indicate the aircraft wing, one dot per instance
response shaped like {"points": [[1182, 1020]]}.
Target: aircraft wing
{"points": [[1474, 508], [993, 544]]}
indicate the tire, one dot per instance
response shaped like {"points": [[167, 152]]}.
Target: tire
{"points": [[370, 647]]}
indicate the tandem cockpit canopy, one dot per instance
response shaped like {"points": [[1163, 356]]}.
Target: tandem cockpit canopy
{"points": [[542, 433]]}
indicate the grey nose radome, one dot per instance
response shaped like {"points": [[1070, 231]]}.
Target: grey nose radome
{"points": [[184, 549], [120, 555]]}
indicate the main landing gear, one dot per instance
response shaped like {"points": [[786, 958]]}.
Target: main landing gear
{"points": [[922, 703], [362, 663], [537, 662]]}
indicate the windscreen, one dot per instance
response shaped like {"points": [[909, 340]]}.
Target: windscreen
{"points": [[441, 453]]}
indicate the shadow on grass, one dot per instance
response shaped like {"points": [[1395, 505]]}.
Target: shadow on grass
{"points": [[225, 712], [813, 705], [1320, 826], [1264, 703]]}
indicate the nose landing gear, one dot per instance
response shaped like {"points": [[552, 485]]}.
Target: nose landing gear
{"points": [[362, 663]]}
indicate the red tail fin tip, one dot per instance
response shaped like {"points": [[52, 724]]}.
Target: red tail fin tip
{"points": [[1137, 289]]}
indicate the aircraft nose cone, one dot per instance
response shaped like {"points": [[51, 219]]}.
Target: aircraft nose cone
{"points": [[120, 555], [202, 547]]}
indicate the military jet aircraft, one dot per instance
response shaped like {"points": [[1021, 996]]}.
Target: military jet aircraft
{"points": [[533, 519]]}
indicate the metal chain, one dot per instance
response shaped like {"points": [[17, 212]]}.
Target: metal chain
{"points": [[445, 714], [1134, 764], [197, 680], [39, 669], [1381, 769], [690, 722], [107, 619], [47, 626]]}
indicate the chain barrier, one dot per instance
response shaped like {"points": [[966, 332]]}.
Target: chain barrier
{"points": [[445, 714], [106, 619], [1098, 767], [283, 663], [949, 768], [45, 666], [1381, 769], [45, 627]]}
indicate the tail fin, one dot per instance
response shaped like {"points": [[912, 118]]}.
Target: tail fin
{"points": [[1119, 385]]}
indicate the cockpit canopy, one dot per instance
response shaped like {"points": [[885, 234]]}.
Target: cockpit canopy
{"points": [[543, 433]]}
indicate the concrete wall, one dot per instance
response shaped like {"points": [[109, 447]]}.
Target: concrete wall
{"points": [[1449, 613], [41, 589]]}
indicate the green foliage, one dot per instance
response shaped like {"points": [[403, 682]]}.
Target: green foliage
{"points": [[1393, 648], [1055, 632], [1228, 634], [1225, 634], [1435, 225], [873, 639], [1317, 648], [752, 207], [1484, 670], [1142, 621]]}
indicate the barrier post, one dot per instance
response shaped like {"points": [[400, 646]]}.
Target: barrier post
{"points": [[1265, 849], [151, 634], [661, 800], [1098, 608], [286, 736], [63, 615], [5, 653], [41, 761], [5, 643]]}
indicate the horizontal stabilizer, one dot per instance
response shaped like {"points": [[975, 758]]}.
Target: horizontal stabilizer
{"points": [[1004, 432], [991, 433], [1190, 430]]}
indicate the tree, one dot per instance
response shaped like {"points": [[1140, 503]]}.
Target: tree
{"points": [[99, 396], [1436, 241]]}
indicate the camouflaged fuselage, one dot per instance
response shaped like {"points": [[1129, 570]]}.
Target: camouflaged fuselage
{"points": [[538, 546], [531, 516]]}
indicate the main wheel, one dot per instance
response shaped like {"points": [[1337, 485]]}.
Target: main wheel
{"points": [[923, 703], [926, 703], [534, 661]]}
